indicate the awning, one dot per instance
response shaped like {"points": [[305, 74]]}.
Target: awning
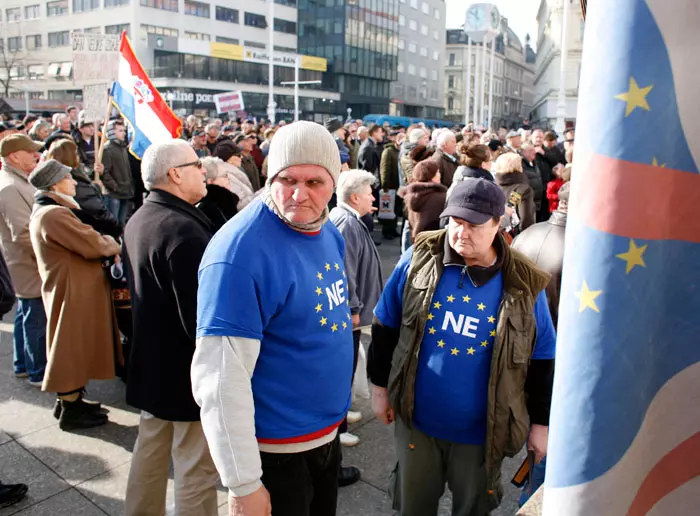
{"points": [[66, 69], [53, 69]]}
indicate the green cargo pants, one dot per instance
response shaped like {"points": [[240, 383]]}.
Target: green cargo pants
{"points": [[425, 464]]}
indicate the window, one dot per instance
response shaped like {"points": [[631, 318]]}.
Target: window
{"points": [[290, 3], [414, 4], [225, 14], [288, 27], [254, 44], [57, 8], [80, 6], [92, 30], [116, 3], [117, 29], [450, 104], [35, 72], [31, 12], [412, 48], [197, 35], [285, 49], [14, 44], [160, 31], [198, 9], [399, 67], [436, 55], [423, 51], [412, 69], [436, 35], [230, 41], [402, 20], [402, 44], [412, 25], [433, 75], [255, 20], [424, 30], [14, 14], [423, 72], [452, 60], [426, 8], [34, 42], [59, 39], [163, 5], [450, 81], [436, 13]]}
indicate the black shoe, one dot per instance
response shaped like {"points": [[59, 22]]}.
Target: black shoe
{"points": [[10, 494], [95, 406], [348, 476], [78, 414]]}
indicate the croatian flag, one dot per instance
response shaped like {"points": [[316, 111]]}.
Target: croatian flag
{"points": [[625, 423], [150, 118]]}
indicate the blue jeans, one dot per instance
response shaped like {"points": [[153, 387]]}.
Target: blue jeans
{"points": [[120, 208], [537, 481], [30, 338]]}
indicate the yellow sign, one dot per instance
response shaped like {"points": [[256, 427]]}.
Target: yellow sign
{"points": [[226, 51], [239, 53], [317, 64]]}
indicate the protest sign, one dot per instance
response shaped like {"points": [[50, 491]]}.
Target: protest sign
{"points": [[95, 57], [229, 102]]}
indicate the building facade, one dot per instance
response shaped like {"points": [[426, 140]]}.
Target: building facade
{"points": [[512, 78], [359, 40], [418, 90], [550, 23], [191, 50]]}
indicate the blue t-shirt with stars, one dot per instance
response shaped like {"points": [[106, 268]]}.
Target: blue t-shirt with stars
{"points": [[454, 364], [259, 279]]}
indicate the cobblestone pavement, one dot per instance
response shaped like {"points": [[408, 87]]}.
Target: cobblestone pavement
{"points": [[84, 473]]}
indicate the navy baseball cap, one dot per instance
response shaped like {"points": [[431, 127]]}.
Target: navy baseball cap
{"points": [[476, 201]]}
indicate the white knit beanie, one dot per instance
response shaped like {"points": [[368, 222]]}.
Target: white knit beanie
{"points": [[303, 143]]}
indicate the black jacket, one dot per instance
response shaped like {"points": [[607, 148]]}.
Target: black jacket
{"points": [[547, 161], [535, 180], [219, 205], [116, 178], [370, 156], [90, 199], [519, 193], [164, 242]]}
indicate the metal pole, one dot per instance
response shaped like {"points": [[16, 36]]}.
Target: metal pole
{"points": [[468, 81], [561, 103], [482, 100], [493, 62], [296, 89], [477, 76], [271, 69], [26, 102]]}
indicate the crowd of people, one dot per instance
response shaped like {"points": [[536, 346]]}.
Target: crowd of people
{"points": [[229, 276]]}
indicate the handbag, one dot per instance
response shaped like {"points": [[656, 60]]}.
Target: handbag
{"points": [[387, 202]]}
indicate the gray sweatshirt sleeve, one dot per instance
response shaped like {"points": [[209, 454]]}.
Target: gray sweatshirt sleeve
{"points": [[222, 368], [352, 248]]}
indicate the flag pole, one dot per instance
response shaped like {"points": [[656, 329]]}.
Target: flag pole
{"points": [[98, 158]]}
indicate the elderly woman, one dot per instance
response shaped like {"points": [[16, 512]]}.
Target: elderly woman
{"points": [[220, 204], [425, 198], [40, 130], [231, 155], [362, 265], [519, 194], [82, 337]]}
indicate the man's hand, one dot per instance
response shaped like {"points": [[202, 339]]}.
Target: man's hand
{"points": [[380, 405], [537, 441], [355, 320], [99, 168], [256, 503]]}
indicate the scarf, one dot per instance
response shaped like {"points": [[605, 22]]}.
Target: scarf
{"points": [[311, 227]]}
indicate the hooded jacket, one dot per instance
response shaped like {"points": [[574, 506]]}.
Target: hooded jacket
{"points": [[425, 202]]}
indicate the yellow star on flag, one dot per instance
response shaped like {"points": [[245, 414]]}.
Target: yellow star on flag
{"points": [[492, 333], [319, 276], [655, 163], [491, 319], [323, 321], [450, 299], [431, 317], [471, 351], [441, 343], [633, 256], [587, 298], [635, 97], [481, 306], [337, 267], [349, 317], [328, 266], [484, 343], [455, 351], [334, 327], [437, 305], [319, 307], [345, 325], [319, 291], [432, 330], [466, 299]]}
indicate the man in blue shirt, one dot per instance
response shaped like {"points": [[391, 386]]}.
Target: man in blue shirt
{"points": [[462, 358]]}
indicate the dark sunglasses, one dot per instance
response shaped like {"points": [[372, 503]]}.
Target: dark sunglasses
{"points": [[197, 164]]}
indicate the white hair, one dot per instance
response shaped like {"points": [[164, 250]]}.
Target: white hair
{"points": [[351, 182], [214, 167], [159, 158], [211, 126], [362, 130], [444, 137]]}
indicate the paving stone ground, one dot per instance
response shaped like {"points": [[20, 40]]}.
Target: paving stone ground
{"points": [[84, 473]]}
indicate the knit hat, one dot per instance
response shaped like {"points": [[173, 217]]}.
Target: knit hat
{"points": [[415, 135], [303, 143], [48, 174]]}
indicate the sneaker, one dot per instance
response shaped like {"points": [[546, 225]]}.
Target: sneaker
{"points": [[348, 439], [354, 417], [22, 374], [348, 476], [10, 494], [37, 383]]}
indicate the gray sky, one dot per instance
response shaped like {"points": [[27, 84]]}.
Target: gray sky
{"points": [[520, 13]]}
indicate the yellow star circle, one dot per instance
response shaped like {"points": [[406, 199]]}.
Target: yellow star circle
{"points": [[431, 317], [319, 291], [587, 298], [634, 256], [345, 325], [337, 267], [334, 327], [471, 351], [484, 343], [437, 305], [491, 319], [455, 351], [319, 276], [450, 299], [441, 343], [466, 299], [319, 307], [432, 330], [492, 333], [323, 321], [328, 266], [481, 306], [635, 97]]}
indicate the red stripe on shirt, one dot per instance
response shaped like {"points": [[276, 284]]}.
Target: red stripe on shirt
{"points": [[303, 438]]}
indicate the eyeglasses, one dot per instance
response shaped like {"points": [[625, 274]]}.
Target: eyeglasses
{"points": [[197, 164]]}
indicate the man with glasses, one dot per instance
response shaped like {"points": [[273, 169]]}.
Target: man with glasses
{"points": [[164, 242]]}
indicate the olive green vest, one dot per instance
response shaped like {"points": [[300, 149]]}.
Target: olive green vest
{"points": [[507, 418]]}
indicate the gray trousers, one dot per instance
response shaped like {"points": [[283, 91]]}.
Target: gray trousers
{"points": [[425, 464]]}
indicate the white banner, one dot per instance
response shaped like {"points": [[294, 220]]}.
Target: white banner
{"points": [[95, 57], [229, 102], [95, 101]]}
